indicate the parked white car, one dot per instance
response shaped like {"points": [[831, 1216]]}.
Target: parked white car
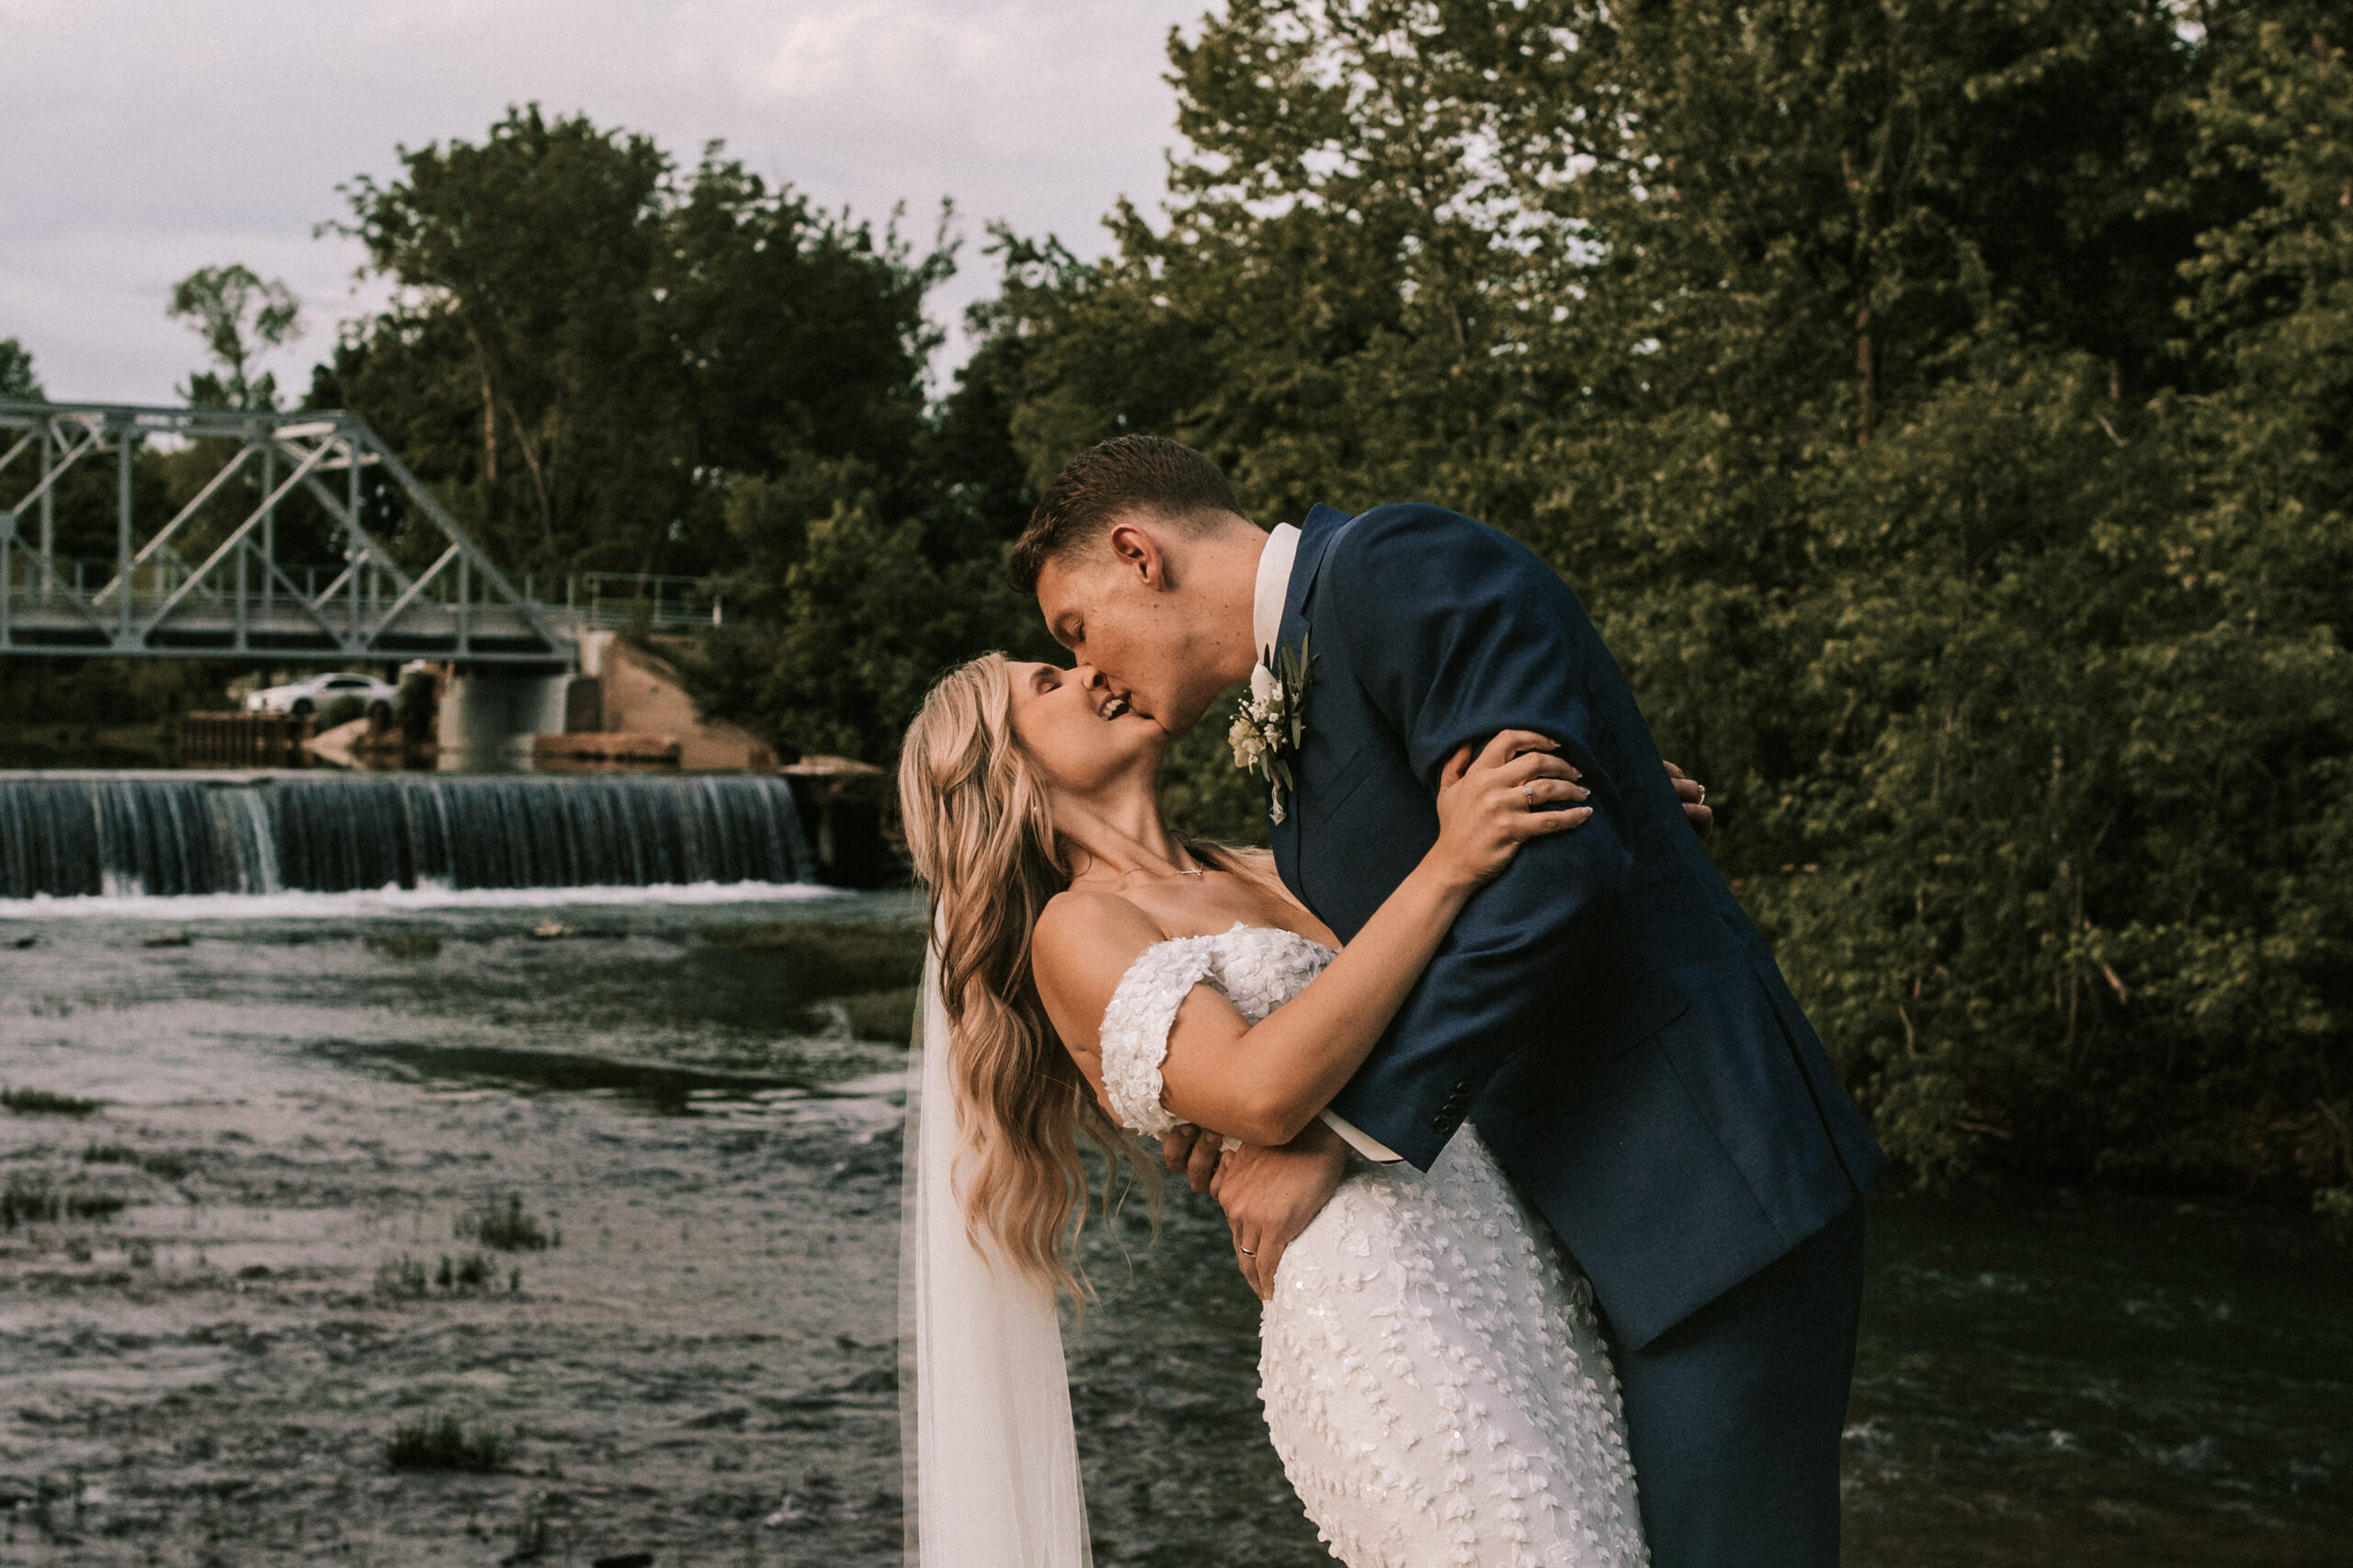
{"points": [[311, 696]]}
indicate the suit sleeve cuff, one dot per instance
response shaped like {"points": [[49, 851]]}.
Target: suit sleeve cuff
{"points": [[1364, 1143]]}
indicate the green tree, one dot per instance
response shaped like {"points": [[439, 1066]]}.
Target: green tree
{"points": [[239, 315], [849, 619], [587, 345], [16, 378], [1940, 408]]}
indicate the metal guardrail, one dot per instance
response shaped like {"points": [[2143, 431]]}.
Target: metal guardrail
{"points": [[575, 602], [606, 600]]}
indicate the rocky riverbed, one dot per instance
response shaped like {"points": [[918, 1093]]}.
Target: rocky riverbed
{"points": [[292, 1239]]}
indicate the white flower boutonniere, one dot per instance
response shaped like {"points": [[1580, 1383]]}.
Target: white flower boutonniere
{"points": [[1273, 720]]}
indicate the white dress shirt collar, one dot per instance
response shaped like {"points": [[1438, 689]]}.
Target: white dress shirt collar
{"points": [[1274, 587], [1275, 564]]}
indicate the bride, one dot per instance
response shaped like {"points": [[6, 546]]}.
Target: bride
{"points": [[1433, 1373]]}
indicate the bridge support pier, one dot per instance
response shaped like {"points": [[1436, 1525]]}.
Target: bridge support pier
{"points": [[488, 716]]}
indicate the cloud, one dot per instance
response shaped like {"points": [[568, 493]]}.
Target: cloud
{"points": [[152, 137]]}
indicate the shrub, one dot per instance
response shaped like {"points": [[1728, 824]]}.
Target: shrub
{"points": [[402, 1276], [442, 1442], [41, 1102], [28, 1199], [161, 1167], [508, 1229], [468, 1271]]}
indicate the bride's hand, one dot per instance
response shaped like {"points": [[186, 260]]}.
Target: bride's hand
{"points": [[1488, 807]]}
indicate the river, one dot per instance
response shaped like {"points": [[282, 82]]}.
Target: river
{"points": [[308, 1100]]}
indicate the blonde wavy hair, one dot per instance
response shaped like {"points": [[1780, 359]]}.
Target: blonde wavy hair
{"points": [[980, 822]]}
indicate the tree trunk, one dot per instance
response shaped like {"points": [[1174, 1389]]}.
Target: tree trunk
{"points": [[489, 406], [1867, 372]]}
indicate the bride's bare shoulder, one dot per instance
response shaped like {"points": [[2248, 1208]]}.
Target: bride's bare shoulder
{"points": [[1093, 924], [1083, 931], [1082, 946], [1081, 908]]}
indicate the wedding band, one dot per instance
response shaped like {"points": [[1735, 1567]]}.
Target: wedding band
{"points": [[1529, 790], [1244, 1250]]}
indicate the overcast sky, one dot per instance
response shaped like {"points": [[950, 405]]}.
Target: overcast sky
{"points": [[147, 137]]}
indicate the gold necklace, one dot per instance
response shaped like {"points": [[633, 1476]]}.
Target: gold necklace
{"points": [[1180, 871]]}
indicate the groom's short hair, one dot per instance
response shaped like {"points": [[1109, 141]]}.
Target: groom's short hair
{"points": [[1122, 474]]}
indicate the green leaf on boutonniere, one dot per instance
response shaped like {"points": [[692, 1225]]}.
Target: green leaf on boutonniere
{"points": [[1272, 724]]}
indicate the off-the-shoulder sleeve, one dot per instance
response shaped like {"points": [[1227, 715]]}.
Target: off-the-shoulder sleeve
{"points": [[1134, 1037]]}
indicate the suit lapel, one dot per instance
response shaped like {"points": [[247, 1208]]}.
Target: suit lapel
{"points": [[1315, 536]]}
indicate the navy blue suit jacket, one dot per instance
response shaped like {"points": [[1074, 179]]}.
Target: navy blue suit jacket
{"points": [[1603, 1011]]}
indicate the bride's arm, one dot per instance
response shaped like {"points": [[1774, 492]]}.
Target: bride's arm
{"points": [[1263, 1084]]}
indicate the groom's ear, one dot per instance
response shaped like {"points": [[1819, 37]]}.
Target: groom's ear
{"points": [[1138, 553]]}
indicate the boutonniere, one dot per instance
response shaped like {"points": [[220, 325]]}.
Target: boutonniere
{"points": [[1268, 732]]}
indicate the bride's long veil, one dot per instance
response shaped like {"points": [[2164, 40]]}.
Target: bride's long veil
{"points": [[992, 1464]]}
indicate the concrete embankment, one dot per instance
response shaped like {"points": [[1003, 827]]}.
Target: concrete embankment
{"points": [[625, 706]]}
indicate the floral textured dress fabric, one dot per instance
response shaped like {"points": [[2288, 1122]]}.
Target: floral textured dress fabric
{"points": [[1433, 1373]]}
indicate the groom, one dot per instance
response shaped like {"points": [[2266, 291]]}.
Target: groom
{"points": [[1603, 1011]]}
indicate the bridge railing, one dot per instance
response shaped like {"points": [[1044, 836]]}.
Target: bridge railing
{"points": [[572, 602], [605, 601]]}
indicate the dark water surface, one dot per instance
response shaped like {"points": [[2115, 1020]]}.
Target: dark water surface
{"points": [[305, 1096]]}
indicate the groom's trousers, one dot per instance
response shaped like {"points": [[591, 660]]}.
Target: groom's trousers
{"points": [[1734, 1415]]}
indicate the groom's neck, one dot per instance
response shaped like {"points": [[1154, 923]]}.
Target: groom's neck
{"points": [[1226, 569]]}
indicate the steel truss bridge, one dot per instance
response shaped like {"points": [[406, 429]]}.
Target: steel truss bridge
{"points": [[186, 590]]}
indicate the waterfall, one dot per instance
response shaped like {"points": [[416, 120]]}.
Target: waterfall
{"points": [[142, 835]]}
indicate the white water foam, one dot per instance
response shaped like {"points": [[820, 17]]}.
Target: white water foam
{"points": [[399, 901]]}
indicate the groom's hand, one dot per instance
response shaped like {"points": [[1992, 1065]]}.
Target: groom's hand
{"points": [[1694, 796], [1269, 1195]]}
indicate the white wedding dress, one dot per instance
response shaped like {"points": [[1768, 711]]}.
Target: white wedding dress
{"points": [[1433, 1374]]}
